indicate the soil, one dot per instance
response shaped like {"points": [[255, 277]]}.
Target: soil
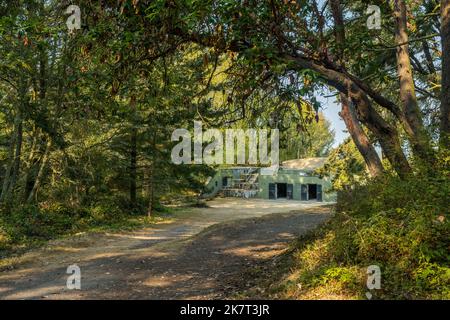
{"points": [[205, 253]]}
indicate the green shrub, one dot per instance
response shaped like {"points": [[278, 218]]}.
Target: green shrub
{"points": [[25, 225], [403, 226]]}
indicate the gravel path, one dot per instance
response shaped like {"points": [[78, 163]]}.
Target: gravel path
{"points": [[202, 255]]}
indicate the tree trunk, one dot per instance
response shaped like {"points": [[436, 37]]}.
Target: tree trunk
{"points": [[445, 91], [150, 191], [38, 181], [348, 112], [385, 133], [31, 164], [9, 168], [133, 153], [411, 115], [133, 166], [151, 178], [17, 158], [360, 138]]}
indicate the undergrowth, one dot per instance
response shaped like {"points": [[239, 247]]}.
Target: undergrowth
{"points": [[402, 226]]}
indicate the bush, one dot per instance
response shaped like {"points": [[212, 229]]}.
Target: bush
{"points": [[26, 225], [403, 226]]}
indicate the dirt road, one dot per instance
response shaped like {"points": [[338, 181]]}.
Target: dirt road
{"points": [[201, 255]]}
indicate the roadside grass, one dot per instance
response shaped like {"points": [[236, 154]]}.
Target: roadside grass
{"points": [[30, 227], [397, 225]]}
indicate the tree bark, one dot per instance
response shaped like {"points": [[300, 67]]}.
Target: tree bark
{"points": [[133, 166], [386, 134], [411, 115], [150, 191], [38, 181], [31, 164], [9, 168], [13, 168], [360, 138], [445, 87], [17, 158], [133, 153], [348, 112]]}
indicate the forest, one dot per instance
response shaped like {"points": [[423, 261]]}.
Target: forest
{"points": [[90, 95]]}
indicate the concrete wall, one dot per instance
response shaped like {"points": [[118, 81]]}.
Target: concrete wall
{"points": [[215, 184], [296, 178]]}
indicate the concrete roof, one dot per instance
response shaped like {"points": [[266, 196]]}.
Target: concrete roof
{"points": [[309, 164]]}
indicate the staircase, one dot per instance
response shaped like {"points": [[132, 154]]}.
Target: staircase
{"points": [[246, 186]]}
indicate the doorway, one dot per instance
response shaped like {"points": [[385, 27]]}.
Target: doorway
{"points": [[281, 190], [312, 191]]}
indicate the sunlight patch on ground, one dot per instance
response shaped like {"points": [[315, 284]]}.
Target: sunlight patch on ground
{"points": [[257, 251], [165, 281], [35, 293]]}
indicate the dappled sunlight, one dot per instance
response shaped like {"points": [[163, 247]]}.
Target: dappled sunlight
{"points": [[66, 249], [144, 237], [34, 293], [257, 251], [5, 289], [165, 281], [96, 256], [172, 261]]}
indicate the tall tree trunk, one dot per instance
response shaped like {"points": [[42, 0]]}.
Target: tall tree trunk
{"points": [[133, 166], [43, 165], [411, 115], [30, 172], [150, 191], [17, 158], [9, 168], [151, 178], [133, 153], [348, 112], [445, 91], [13, 168], [386, 134], [360, 138]]}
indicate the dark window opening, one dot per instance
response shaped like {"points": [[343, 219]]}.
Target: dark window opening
{"points": [[281, 190], [312, 191], [225, 182]]}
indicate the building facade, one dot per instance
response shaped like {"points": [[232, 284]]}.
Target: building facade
{"points": [[293, 180]]}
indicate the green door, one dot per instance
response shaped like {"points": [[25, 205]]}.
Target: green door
{"points": [[304, 192], [289, 191], [319, 192], [272, 191]]}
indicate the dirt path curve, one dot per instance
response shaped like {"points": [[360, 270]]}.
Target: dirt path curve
{"points": [[201, 255]]}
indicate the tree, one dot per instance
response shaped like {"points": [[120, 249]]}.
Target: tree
{"points": [[277, 38], [445, 87], [348, 112], [345, 166], [314, 139]]}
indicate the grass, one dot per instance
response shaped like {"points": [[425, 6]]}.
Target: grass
{"points": [[395, 224], [29, 227]]}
